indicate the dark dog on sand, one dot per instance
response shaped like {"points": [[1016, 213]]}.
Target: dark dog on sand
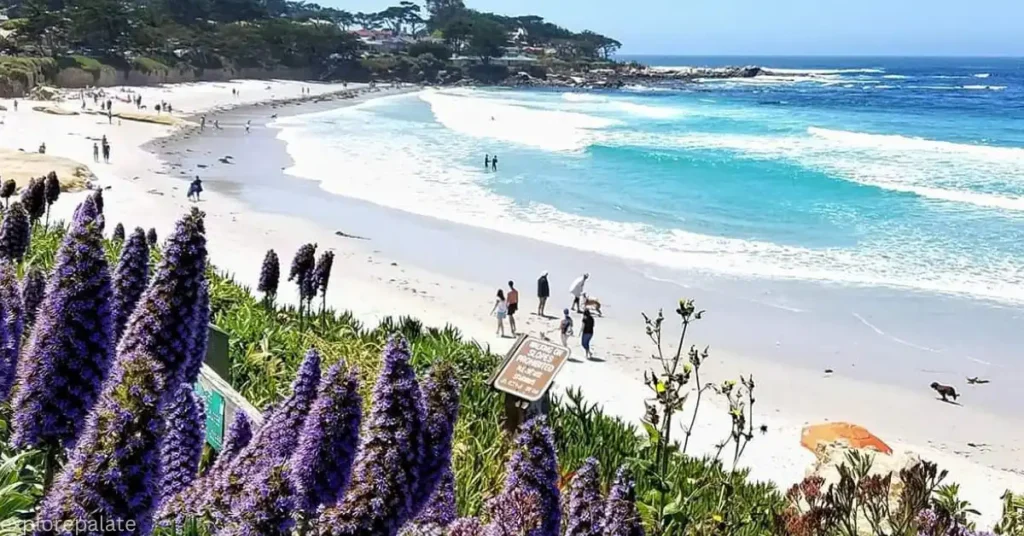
{"points": [[945, 391]]}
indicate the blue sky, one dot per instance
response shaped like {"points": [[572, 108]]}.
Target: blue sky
{"points": [[780, 27]]}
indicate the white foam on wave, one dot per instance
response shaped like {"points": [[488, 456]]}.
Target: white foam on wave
{"points": [[774, 70], [416, 168], [982, 75], [896, 77], [474, 115], [993, 88], [933, 169], [583, 97]]}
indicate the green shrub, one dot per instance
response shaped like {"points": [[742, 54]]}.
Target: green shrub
{"points": [[149, 66]]}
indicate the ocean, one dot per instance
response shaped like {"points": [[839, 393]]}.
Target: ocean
{"points": [[903, 173]]}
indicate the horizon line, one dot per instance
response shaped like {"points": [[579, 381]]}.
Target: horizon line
{"points": [[935, 56]]}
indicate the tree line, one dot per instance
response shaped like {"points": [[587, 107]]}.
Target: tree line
{"points": [[270, 33]]}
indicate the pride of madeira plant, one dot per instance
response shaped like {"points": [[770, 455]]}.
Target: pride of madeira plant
{"points": [[121, 430]]}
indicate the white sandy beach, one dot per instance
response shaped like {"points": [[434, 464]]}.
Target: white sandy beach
{"points": [[143, 192]]}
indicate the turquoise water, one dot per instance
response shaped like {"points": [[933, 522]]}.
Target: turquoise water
{"points": [[896, 173]]}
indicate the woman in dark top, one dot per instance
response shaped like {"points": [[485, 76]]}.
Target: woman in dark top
{"points": [[543, 291], [588, 331]]}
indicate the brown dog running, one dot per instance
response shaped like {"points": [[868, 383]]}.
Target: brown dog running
{"points": [[945, 391], [592, 303]]}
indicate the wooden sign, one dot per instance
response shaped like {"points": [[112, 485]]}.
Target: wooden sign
{"points": [[530, 367]]}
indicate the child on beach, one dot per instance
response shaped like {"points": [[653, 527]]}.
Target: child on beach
{"points": [[513, 306], [577, 290], [499, 310], [565, 328], [543, 291], [588, 332], [95, 152]]}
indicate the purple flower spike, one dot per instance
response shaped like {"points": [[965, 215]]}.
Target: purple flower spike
{"points": [[174, 511], [8, 188], [273, 443], [113, 472], [441, 401], [130, 278], [379, 499], [33, 289], [533, 468], [265, 505], [585, 505], [167, 320], [235, 439], [322, 272], [151, 237], [466, 526], [90, 210], [118, 234], [33, 198], [182, 444], [15, 233], [322, 462], [51, 191], [440, 508], [519, 511], [10, 331], [69, 353], [270, 274], [621, 517], [302, 272]]}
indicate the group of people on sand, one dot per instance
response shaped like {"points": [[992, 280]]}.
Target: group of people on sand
{"points": [[506, 304]]}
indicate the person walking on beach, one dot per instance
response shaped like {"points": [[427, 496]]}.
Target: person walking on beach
{"points": [[95, 152], [494, 163], [513, 306], [202, 123], [499, 310], [194, 189], [577, 290], [487, 161], [588, 332], [543, 291], [106, 152], [565, 328], [248, 123]]}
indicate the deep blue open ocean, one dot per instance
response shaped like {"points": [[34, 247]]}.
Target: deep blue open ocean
{"points": [[896, 172]]}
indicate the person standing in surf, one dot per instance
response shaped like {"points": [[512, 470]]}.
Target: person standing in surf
{"points": [[487, 162], [494, 163]]}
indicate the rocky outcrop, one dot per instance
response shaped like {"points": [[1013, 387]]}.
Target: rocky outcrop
{"points": [[617, 78]]}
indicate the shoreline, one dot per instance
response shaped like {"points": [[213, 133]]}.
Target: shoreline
{"points": [[385, 276]]}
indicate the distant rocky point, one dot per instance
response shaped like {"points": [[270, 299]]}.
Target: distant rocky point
{"points": [[626, 76]]}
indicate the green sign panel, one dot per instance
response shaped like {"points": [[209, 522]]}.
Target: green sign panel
{"points": [[214, 403]]}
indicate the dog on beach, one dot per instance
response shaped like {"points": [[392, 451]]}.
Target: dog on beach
{"points": [[592, 303], [945, 391]]}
